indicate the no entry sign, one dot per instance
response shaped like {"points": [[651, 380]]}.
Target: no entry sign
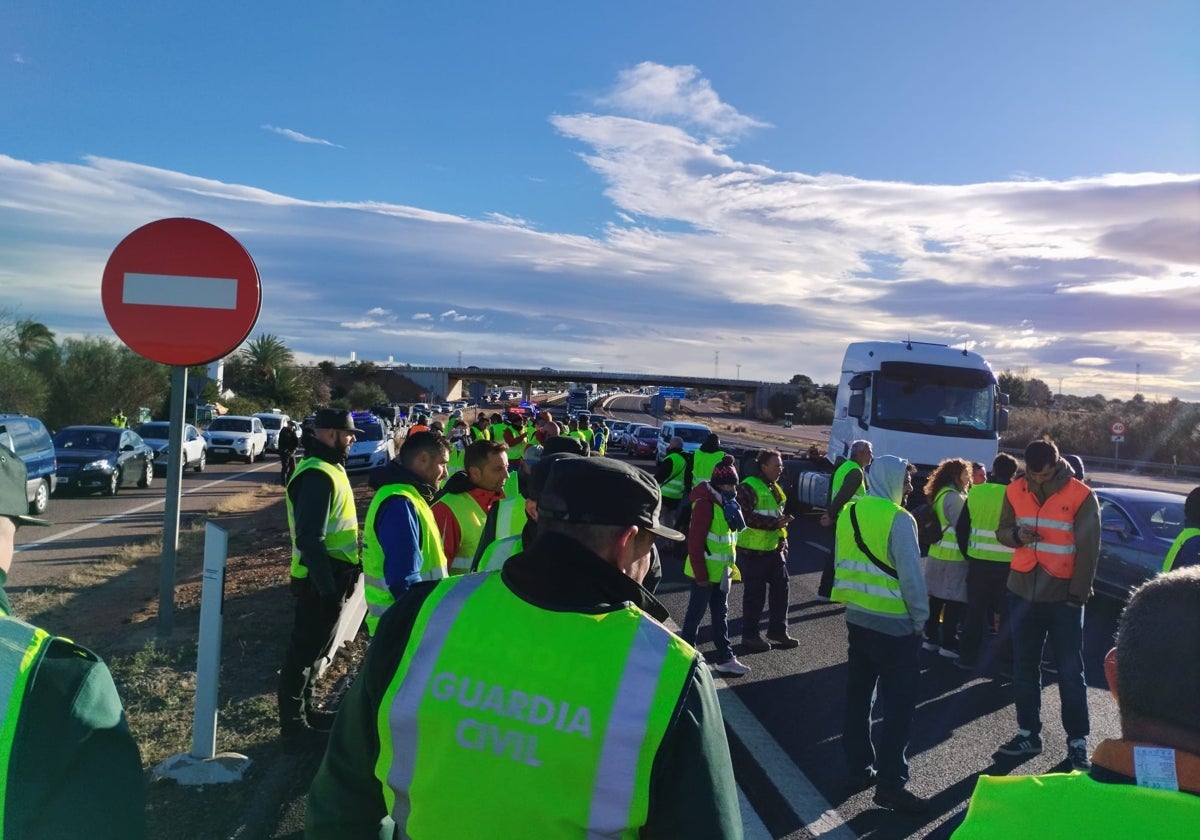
{"points": [[181, 292]]}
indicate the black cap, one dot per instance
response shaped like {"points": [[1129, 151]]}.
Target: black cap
{"points": [[335, 418], [13, 501], [540, 471], [562, 443], [603, 491]]}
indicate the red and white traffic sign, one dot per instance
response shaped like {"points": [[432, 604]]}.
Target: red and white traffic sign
{"points": [[181, 292], [1118, 428]]}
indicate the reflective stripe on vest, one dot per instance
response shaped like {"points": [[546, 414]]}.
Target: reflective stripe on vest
{"points": [[769, 502], [672, 488], [1184, 535], [498, 551], [21, 648], [947, 547], [457, 456], [433, 556], [1075, 805], [703, 464], [721, 544], [856, 579], [1054, 520], [579, 743], [984, 502], [470, 517], [839, 478], [341, 528], [510, 516]]}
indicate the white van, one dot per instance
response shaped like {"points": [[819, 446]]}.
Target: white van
{"points": [[692, 435]]}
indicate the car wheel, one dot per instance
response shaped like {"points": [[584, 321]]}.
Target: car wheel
{"points": [[114, 483], [41, 499], [200, 464], [147, 475], [250, 455]]}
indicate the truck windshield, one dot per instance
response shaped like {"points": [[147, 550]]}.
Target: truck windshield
{"points": [[955, 402]]}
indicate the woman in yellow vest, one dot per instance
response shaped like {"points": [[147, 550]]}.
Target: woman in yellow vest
{"points": [[945, 565], [712, 550]]}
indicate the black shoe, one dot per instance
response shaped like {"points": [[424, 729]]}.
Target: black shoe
{"points": [[965, 664], [755, 644], [902, 800], [785, 641], [856, 782], [1077, 755], [320, 721], [298, 739], [1021, 745]]}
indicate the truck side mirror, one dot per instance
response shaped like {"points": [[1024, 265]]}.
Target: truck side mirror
{"points": [[1002, 399], [859, 382], [1002, 420]]}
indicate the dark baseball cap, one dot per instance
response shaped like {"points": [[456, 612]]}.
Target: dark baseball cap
{"points": [[603, 491], [14, 502], [335, 418]]}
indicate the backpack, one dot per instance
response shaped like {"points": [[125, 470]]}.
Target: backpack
{"points": [[929, 529]]}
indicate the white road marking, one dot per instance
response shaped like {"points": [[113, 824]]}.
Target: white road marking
{"points": [[180, 290], [70, 532], [752, 827]]}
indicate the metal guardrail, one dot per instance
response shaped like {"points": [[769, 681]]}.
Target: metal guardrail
{"points": [[1135, 465]]}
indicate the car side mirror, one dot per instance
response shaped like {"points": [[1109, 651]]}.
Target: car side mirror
{"points": [[1117, 528]]}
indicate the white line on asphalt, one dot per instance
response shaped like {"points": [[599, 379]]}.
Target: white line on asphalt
{"points": [[819, 817], [822, 548], [70, 532]]}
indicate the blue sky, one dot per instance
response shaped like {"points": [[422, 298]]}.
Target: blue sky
{"points": [[633, 185]]}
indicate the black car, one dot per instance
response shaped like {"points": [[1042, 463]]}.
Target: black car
{"points": [[103, 458], [1137, 528]]}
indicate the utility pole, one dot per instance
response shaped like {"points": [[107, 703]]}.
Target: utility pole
{"points": [[717, 365], [460, 358], [739, 371]]}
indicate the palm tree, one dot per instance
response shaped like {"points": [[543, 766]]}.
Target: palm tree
{"points": [[31, 336], [265, 356]]}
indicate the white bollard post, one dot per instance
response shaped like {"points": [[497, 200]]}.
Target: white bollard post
{"points": [[204, 765]]}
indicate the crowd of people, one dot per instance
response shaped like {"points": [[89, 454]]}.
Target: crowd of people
{"points": [[497, 556]]}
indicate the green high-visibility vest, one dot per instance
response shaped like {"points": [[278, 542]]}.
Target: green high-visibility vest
{"points": [[672, 488], [433, 556], [496, 431], [947, 547], [769, 501], [517, 450], [341, 528], [497, 552], [471, 518], [456, 463], [510, 515], [720, 546], [1075, 805], [985, 501], [1184, 535], [856, 579], [703, 464], [839, 478], [550, 750], [22, 647]]}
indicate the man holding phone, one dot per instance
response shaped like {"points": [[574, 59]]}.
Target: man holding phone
{"points": [[1052, 522]]}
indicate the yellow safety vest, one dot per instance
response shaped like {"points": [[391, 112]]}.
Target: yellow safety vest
{"points": [[1184, 535], [856, 579], [497, 552], [947, 547], [769, 502], [672, 488], [433, 556], [721, 548], [341, 529], [839, 478], [1076, 805], [471, 518], [549, 749], [510, 516], [703, 464], [985, 502]]}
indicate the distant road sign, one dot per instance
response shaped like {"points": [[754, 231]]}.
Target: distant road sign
{"points": [[1118, 438], [181, 292], [672, 393], [1118, 428]]}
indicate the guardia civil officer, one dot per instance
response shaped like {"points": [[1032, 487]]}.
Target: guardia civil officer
{"points": [[69, 764], [544, 700]]}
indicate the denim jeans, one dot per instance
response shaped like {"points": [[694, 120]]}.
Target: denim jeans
{"points": [[1032, 622], [888, 666], [716, 601]]}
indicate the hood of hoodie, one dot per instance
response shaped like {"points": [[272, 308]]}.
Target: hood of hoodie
{"points": [[885, 478], [704, 490], [394, 472], [460, 482]]}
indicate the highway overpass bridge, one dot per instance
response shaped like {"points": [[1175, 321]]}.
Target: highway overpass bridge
{"points": [[455, 382]]}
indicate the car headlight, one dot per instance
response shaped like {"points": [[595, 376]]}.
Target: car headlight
{"points": [[102, 464]]}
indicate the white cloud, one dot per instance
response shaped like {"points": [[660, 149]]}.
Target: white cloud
{"points": [[379, 311], [1092, 361], [422, 316], [17, 58], [300, 138]]}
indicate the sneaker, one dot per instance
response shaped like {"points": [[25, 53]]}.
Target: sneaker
{"points": [[732, 667], [785, 641], [946, 653], [902, 800], [1077, 755], [930, 646], [1021, 745], [755, 644]]}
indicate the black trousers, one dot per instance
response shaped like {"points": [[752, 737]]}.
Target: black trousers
{"points": [[764, 581], [987, 595], [313, 629]]}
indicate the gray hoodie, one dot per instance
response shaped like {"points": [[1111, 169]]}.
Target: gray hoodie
{"points": [[886, 480]]}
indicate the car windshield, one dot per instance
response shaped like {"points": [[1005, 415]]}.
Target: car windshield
{"points": [[271, 421], [154, 431], [230, 424], [646, 432], [369, 431], [691, 435], [87, 439]]}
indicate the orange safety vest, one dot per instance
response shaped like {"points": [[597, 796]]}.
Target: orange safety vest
{"points": [[1054, 520]]}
